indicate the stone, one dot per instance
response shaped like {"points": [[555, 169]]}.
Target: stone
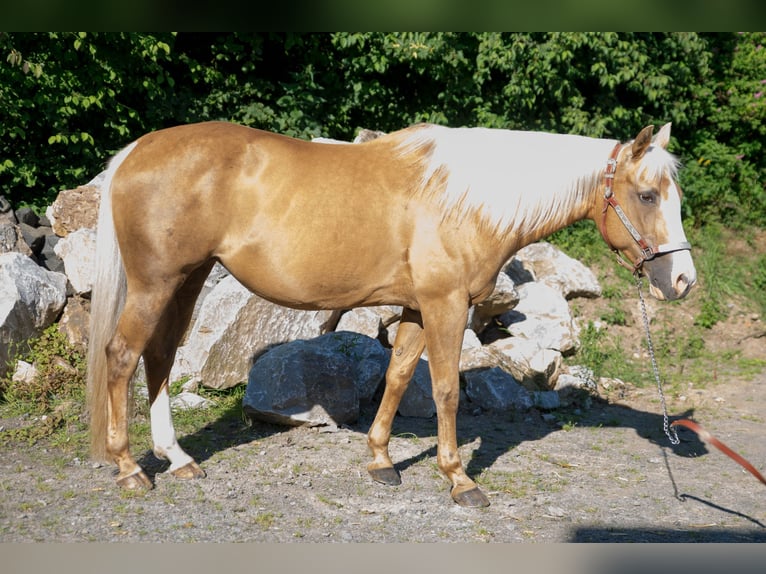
{"points": [[418, 400], [31, 299], [216, 275], [549, 265], [366, 135], [546, 400], [495, 390], [12, 240], [75, 322], [576, 384], [185, 401], [47, 256], [24, 372], [233, 327], [470, 340], [501, 300], [27, 216], [534, 367], [483, 357], [75, 209], [34, 237], [543, 316], [321, 381], [78, 252], [364, 320]]}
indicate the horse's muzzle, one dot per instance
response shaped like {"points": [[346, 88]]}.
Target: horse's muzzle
{"points": [[671, 276]]}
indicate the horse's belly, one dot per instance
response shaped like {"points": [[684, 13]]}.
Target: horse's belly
{"points": [[321, 278]]}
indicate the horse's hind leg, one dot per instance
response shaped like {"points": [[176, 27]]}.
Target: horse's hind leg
{"points": [[135, 327], [158, 361], [408, 347]]}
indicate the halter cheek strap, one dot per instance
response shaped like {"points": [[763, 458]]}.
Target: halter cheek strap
{"points": [[648, 251]]}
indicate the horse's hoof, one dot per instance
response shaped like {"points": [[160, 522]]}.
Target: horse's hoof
{"points": [[136, 481], [188, 471], [473, 498], [386, 475]]}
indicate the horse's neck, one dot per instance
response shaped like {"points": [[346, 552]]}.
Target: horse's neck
{"points": [[558, 183], [523, 185]]}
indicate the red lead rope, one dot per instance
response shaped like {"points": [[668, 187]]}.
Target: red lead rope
{"points": [[709, 438]]}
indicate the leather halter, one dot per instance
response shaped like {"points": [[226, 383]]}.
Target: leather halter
{"points": [[648, 251]]}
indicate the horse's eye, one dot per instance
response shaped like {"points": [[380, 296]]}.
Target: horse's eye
{"points": [[647, 197]]}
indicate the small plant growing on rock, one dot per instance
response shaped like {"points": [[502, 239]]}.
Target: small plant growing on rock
{"points": [[60, 374]]}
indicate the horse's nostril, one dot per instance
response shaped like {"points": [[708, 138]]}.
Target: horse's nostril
{"points": [[682, 283]]}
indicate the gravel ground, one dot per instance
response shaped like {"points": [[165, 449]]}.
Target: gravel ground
{"points": [[609, 475]]}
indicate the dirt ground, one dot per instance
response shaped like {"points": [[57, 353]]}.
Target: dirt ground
{"points": [[605, 473]]}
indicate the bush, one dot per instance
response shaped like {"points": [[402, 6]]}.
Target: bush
{"points": [[70, 100]]}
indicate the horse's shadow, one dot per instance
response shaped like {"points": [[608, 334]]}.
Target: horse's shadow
{"points": [[495, 433]]}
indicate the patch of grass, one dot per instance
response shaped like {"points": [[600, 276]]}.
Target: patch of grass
{"points": [[60, 375], [606, 355], [581, 241], [328, 501], [519, 483], [758, 278], [692, 346], [723, 276], [52, 401], [615, 315]]}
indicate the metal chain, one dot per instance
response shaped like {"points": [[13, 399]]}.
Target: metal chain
{"points": [[672, 436]]}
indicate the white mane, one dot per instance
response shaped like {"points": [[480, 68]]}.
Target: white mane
{"points": [[517, 180]]}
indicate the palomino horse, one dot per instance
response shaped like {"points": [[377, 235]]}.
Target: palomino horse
{"points": [[423, 218]]}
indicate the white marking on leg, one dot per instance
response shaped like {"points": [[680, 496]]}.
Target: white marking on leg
{"points": [[164, 434]]}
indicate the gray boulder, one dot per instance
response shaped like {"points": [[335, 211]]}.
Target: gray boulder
{"points": [[418, 399], [321, 381], [233, 327], [31, 299], [495, 390], [12, 240]]}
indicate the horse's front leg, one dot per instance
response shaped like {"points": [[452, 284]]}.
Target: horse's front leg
{"points": [[408, 347], [444, 322]]}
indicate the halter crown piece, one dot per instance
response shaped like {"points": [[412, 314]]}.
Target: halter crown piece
{"points": [[648, 251]]}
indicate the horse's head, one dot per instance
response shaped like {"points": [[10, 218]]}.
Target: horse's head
{"points": [[641, 213]]}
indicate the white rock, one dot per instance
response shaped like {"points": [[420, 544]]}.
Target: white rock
{"points": [[78, 252], [31, 299]]}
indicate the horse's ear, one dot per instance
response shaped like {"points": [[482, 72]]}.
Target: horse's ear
{"points": [[663, 136], [642, 142]]}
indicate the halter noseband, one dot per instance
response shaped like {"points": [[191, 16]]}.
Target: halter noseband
{"points": [[648, 251]]}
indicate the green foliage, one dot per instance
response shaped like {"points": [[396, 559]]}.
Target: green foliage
{"points": [[720, 275], [70, 100], [592, 352], [60, 374], [55, 395], [615, 315]]}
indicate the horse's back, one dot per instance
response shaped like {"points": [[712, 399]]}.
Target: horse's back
{"points": [[302, 223]]}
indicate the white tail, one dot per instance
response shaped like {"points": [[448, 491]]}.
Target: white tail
{"points": [[107, 300]]}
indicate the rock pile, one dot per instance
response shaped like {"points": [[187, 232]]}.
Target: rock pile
{"points": [[304, 367]]}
